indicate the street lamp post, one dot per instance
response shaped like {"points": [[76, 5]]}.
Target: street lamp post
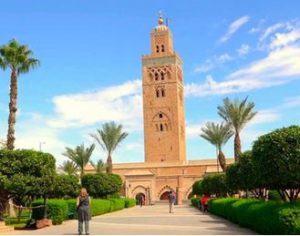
{"points": [[41, 143]]}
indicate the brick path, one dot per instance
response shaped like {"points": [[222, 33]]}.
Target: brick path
{"points": [[149, 220]]}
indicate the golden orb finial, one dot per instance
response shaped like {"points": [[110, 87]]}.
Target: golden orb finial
{"points": [[160, 20]]}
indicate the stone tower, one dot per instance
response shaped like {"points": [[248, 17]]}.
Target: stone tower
{"points": [[163, 100]]}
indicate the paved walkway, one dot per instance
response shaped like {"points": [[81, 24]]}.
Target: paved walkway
{"points": [[149, 220]]}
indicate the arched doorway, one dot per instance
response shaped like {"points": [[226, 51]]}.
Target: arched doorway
{"points": [[190, 195], [164, 196], [140, 196]]}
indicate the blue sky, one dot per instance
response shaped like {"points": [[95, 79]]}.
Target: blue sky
{"points": [[90, 73]]}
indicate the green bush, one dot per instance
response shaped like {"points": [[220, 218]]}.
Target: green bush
{"points": [[129, 202], [195, 201], [102, 185], [117, 204], [221, 206], [263, 217], [277, 158], [26, 173], [57, 210], [197, 187], [65, 186], [100, 206], [72, 209]]}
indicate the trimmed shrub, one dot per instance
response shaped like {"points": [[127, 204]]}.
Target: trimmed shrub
{"points": [[129, 202], [102, 185], [221, 206], [263, 217], [72, 210], [65, 186], [277, 158], [117, 204], [100, 206], [57, 210], [195, 201]]}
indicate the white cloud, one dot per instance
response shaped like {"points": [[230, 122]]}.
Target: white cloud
{"points": [[234, 26], [193, 130], [33, 133], [243, 50], [292, 102], [253, 30], [283, 39], [210, 64], [279, 67], [121, 103], [270, 30], [265, 116], [134, 146]]}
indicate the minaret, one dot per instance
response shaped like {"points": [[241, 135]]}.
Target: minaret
{"points": [[163, 99]]}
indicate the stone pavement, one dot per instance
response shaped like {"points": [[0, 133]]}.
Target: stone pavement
{"points": [[149, 220]]}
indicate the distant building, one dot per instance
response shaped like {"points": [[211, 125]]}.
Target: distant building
{"points": [[165, 168]]}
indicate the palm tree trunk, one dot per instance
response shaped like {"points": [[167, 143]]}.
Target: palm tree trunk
{"points": [[109, 164], [12, 111], [222, 160], [237, 146]]}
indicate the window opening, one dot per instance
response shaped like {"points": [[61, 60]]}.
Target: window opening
{"points": [[162, 76], [160, 115], [157, 48], [156, 76], [161, 127], [163, 93], [162, 48]]}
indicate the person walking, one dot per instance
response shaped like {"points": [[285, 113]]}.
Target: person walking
{"points": [[204, 203], [83, 209], [172, 200], [142, 200]]}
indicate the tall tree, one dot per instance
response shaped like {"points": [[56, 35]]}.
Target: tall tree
{"points": [[99, 166], [109, 138], [237, 113], [80, 156], [69, 167], [218, 135], [18, 59]]}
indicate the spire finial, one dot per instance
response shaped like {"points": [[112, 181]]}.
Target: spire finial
{"points": [[160, 19]]}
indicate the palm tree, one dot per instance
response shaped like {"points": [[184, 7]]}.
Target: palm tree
{"points": [[18, 58], [69, 167], [218, 135], [80, 156], [109, 138], [99, 166], [237, 114]]}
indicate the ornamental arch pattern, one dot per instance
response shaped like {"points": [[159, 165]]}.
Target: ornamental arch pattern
{"points": [[164, 189]]}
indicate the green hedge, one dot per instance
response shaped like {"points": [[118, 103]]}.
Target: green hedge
{"points": [[195, 201], [117, 204], [263, 217], [60, 210], [57, 210], [129, 202]]}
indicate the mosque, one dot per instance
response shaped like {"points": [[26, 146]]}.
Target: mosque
{"points": [[166, 167]]}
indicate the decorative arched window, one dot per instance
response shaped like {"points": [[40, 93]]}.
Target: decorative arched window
{"points": [[156, 76], [163, 93], [161, 127], [162, 48], [162, 75], [157, 48]]}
